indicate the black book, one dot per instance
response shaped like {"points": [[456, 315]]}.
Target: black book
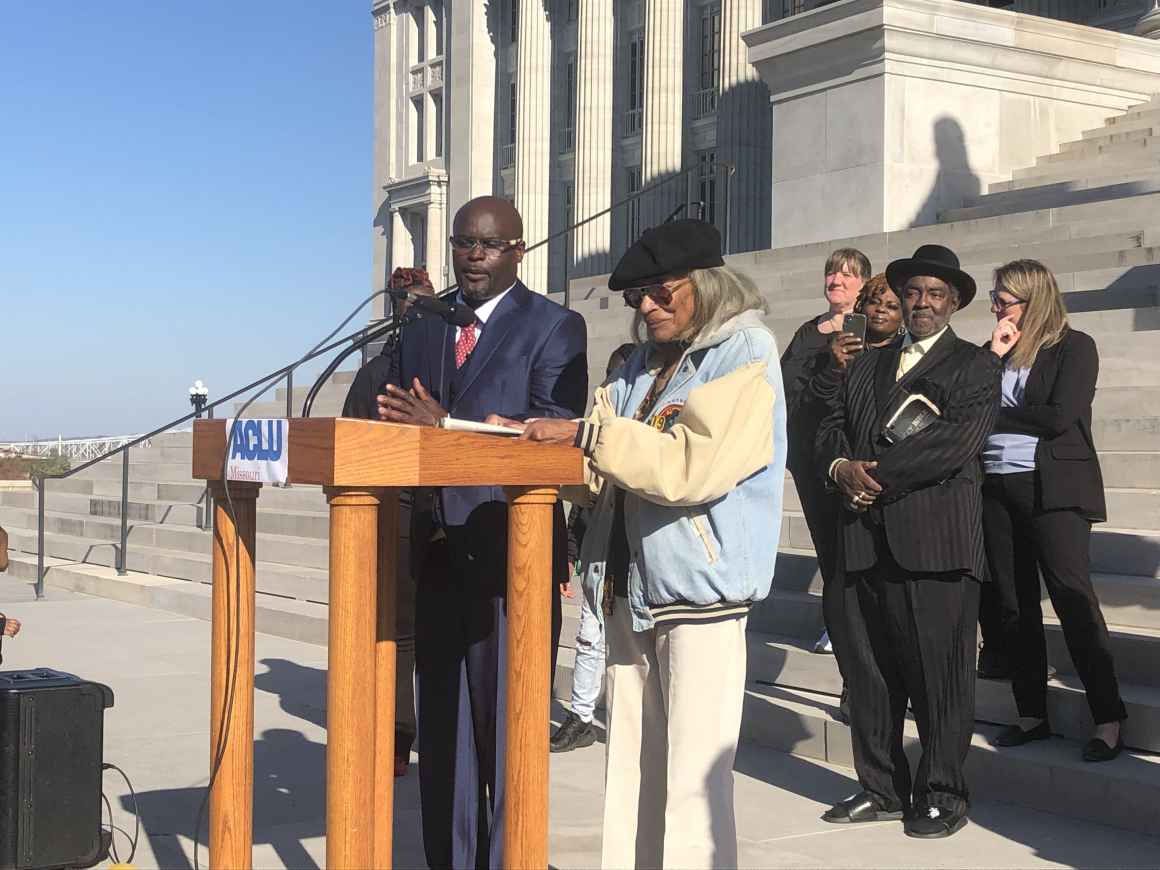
{"points": [[912, 416]]}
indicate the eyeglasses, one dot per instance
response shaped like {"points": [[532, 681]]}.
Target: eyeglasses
{"points": [[1002, 304], [661, 294], [489, 246]]}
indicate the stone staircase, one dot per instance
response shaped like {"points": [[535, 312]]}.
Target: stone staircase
{"points": [[1090, 212]]}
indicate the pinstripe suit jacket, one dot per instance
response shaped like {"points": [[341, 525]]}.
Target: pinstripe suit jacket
{"points": [[930, 510]]}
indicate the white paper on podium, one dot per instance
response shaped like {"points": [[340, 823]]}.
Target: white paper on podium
{"points": [[455, 425]]}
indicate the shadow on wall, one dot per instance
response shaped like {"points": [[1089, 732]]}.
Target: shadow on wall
{"points": [[956, 184]]}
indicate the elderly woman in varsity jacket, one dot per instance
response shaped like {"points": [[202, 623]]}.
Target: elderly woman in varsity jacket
{"points": [[686, 445]]}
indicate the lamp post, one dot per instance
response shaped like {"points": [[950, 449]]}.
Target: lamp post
{"points": [[198, 396]]}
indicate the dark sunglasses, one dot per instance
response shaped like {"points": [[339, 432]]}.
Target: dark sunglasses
{"points": [[1003, 304], [661, 294], [489, 246]]}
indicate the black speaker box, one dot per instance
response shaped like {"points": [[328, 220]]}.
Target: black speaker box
{"points": [[52, 729]]}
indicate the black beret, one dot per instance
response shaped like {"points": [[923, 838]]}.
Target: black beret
{"points": [[670, 249]]}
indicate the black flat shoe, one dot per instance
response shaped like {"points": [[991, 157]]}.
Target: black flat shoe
{"points": [[1097, 750], [934, 823], [574, 733], [1013, 735], [862, 807]]}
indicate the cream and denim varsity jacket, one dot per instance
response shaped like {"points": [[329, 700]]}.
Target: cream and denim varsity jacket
{"points": [[702, 474]]}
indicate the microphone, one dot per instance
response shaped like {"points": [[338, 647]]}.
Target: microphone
{"points": [[453, 312]]}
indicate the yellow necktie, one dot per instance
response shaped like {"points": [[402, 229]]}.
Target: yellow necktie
{"points": [[908, 359]]}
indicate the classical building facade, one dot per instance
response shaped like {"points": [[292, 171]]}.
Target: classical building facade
{"points": [[570, 107]]}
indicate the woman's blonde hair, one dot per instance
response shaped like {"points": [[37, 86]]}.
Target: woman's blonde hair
{"points": [[719, 294], [1044, 315]]}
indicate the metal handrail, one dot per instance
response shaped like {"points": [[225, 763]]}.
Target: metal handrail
{"points": [[357, 339]]}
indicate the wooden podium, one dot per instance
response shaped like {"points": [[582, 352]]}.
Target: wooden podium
{"points": [[362, 465]]}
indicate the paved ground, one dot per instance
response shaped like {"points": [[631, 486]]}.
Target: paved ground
{"points": [[157, 664]]}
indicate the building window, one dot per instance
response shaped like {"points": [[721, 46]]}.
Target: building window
{"points": [[707, 185], [514, 19], [437, 105], [568, 130], [632, 210], [508, 154], [419, 16], [573, 9], [437, 26], [419, 116], [634, 112], [710, 77]]}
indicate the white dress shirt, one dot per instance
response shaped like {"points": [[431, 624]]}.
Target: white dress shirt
{"points": [[482, 313], [913, 351]]}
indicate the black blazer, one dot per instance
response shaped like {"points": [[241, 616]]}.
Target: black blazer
{"points": [[930, 510], [1057, 409]]}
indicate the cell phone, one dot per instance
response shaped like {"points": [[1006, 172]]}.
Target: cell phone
{"points": [[855, 324]]}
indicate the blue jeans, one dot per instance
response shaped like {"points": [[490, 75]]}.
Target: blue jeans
{"points": [[589, 667]]}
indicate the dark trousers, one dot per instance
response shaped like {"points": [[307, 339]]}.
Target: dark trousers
{"points": [[821, 511], [460, 662], [1023, 540], [909, 638]]}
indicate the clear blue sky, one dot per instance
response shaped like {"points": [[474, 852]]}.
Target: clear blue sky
{"points": [[185, 193]]}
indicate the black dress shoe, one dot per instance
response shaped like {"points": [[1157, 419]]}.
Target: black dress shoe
{"points": [[933, 823], [1097, 750], [993, 665], [1013, 735], [862, 807], [574, 733]]}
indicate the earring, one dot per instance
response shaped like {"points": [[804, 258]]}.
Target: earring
{"points": [[902, 329]]}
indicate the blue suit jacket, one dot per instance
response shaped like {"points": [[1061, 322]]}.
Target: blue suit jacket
{"points": [[530, 361]]}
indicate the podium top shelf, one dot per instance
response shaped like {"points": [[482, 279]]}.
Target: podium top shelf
{"points": [[337, 451]]}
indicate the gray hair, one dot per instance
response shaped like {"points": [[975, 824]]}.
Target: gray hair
{"points": [[720, 294]]}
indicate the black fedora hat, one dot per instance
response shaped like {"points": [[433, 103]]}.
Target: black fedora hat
{"points": [[934, 260]]}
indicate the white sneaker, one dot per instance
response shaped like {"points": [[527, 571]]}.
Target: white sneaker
{"points": [[823, 645]]}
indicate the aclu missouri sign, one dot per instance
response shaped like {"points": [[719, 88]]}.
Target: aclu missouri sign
{"points": [[258, 450]]}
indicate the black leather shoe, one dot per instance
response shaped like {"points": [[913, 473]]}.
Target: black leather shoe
{"points": [[1096, 750], [933, 823], [862, 807], [993, 665], [1013, 735], [574, 733]]}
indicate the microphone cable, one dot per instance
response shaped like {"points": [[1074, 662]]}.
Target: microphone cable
{"points": [[233, 585]]}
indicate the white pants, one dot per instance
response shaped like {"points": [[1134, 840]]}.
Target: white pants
{"points": [[674, 697]]}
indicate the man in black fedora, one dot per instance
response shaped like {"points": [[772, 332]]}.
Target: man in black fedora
{"points": [[901, 446]]}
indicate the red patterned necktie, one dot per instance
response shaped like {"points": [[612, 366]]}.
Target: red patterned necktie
{"points": [[465, 344]]}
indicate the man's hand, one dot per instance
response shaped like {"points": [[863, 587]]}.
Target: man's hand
{"points": [[1003, 338], [11, 627], [566, 590], [856, 485], [551, 431], [414, 406], [844, 348]]}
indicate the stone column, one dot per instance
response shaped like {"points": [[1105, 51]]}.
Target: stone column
{"points": [[664, 98], [402, 246], [437, 233], [384, 129], [533, 136], [469, 99], [1149, 24], [744, 135], [593, 156]]}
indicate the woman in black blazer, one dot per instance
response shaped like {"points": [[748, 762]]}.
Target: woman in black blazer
{"points": [[1042, 492]]}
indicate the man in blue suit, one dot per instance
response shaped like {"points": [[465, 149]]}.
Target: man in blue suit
{"points": [[525, 356]]}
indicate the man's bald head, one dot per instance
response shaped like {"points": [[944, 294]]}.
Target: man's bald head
{"points": [[486, 248], [488, 217]]}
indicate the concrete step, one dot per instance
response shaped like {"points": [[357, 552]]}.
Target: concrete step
{"points": [[168, 472], [1036, 200], [1115, 430], [1065, 178], [799, 615], [288, 581], [790, 663], [1136, 469], [1047, 776], [282, 617], [1129, 147], [1113, 136]]}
